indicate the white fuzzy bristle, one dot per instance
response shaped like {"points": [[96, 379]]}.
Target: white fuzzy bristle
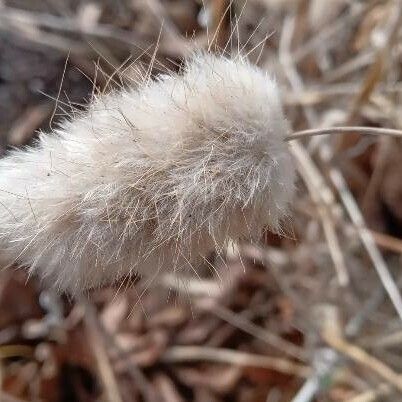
{"points": [[150, 178]]}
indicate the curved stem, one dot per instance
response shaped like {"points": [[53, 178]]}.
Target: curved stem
{"points": [[344, 129]]}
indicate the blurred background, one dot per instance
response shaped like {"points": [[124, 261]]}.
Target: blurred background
{"points": [[303, 317]]}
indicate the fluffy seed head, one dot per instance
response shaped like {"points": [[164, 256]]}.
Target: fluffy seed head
{"points": [[150, 178]]}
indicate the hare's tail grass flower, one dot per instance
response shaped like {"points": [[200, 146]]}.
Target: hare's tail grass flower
{"points": [[150, 178]]}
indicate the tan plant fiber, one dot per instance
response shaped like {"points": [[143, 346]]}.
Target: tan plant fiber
{"points": [[150, 178]]}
